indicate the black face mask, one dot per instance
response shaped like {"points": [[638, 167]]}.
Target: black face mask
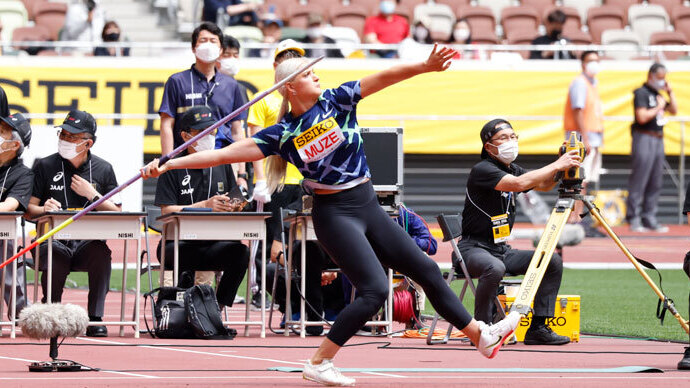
{"points": [[112, 37], [555, 34]]}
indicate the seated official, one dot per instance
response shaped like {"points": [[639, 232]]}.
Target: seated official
{"points": [[323, 290], [492, 186], [15, 192], [72, 179], [203, 188]]}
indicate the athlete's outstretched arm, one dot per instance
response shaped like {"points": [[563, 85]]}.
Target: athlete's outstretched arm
{"points": [[244, 150], [439, 60]]}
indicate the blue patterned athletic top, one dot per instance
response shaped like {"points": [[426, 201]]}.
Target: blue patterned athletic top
{"points": [[324, 143]]}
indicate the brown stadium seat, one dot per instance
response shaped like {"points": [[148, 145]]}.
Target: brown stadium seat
{"points": [[622, 4], [604, 18], [668, 38], [480, 18], [50, 16], [539, 5], [681, 20], [30, 5], [522, 36], [298, 14], [352, 16], [484, 37], [453, 4], [522, 18]]}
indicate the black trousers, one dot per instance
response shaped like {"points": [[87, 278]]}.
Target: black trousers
{"points": [[319, 297], [91, 256], [360, 237], [490, 262], [231, 257]]}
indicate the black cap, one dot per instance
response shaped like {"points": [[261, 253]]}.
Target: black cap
{"points": [[489, 130], [78, 121], [20, 125], [196, 118]]}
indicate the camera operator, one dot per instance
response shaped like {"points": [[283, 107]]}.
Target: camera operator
{"points": [[487, 221]]}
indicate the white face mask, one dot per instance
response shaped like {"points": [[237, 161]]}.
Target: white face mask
{"points": [[68, 150], [230, 66], [420, 34], [592, 68], [205, 143], [461, 34], [659, 83], [508, 151], [387, 7], [207, 52], [314, 32]]}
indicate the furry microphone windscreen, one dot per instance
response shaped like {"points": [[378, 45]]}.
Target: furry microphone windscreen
{"points": [[44, 321]]}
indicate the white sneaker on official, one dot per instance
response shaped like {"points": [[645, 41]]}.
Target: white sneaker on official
{"points": [[492, 337], [326, 374]]}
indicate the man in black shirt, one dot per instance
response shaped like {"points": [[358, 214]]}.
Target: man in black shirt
{"points": [[647, 153], [15, 133], [203, 188], [487, 220], [554, 28], [72, 179]]}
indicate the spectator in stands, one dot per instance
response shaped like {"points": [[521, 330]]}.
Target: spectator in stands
{"points": [[84, 22], [462, 34], [421, 33], [4, 106], [647, 153], [271, 28], [554, 29], [584, 114], [201, 84], [111, 33], [386, 27], [315, 29], [73, 178], [230, 12], [203, 188], [487, 221], [15, 133]]}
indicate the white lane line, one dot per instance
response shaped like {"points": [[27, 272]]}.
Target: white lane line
{"points": [[17, 359], [195, 352], [387, 375], [130, 374], [109, 371]]}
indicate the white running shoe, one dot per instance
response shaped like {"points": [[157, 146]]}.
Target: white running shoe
{"points": [[492, 337], [326, 374]]}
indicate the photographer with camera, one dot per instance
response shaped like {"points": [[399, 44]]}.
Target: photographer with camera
{"points": [[203, 188], [84, 22], [487, 221]]}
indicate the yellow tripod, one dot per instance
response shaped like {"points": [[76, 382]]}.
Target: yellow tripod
{"points": [[568, 193]]}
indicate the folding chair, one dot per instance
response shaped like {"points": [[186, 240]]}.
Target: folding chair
{"points": [[451, 227]]}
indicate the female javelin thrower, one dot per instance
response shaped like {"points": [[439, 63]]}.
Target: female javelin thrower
{"points": [[320, 136]]}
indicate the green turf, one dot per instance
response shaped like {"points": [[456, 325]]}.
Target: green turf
{"points": [[614, 302], [619, 302]]}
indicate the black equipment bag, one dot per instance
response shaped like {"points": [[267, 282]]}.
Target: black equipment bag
{"points": [[169, 313], [203, 313]]}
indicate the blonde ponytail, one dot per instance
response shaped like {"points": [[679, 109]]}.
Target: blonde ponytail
{"points": [[275, 165]]}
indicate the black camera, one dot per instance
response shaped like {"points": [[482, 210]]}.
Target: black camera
{"points": [[90, 5]]}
